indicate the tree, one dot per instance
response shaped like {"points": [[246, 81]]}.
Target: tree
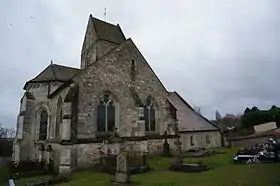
{"points": [[255, 109], [247, 110], [6, 142], [6, 132], [3, 132], [218, 115]]}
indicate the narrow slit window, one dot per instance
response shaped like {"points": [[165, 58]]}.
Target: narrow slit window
{"points": [[43, 125], [191, 141], [149, 115]]}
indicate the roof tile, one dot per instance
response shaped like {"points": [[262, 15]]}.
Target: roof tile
{"points": [[188, 119], [108, 31]]}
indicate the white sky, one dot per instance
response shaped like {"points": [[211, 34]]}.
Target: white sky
{"points": [[218, 54]]}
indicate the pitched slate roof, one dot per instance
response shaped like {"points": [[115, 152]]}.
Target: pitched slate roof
{"points": [[188, 119], [54, 72], [108, 31]]}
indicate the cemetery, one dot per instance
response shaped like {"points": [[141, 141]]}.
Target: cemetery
{"points": [[259, 153], [195, 167]]}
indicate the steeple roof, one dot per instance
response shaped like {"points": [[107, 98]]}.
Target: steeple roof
{"points": [[108, 31], [54, 72]]}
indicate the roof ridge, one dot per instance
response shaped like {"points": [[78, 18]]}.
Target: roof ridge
{"points": [[94, 18], [40, 72], [199, 115], [54, 72], [149, 66], [66, 66]]}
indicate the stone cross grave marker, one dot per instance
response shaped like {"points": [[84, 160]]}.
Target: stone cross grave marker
{"points": [[122, 175]]}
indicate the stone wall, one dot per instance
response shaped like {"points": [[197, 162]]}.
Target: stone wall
{"points": [[103, 47], [25, 136], [199, 139], [28, 119], [155, 146], [249, 141], [112, 73], [88, 154], [90, 38], [94, 48]]}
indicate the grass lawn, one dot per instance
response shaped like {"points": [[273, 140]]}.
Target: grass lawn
{"points": [[223, 174], [3, 175]]}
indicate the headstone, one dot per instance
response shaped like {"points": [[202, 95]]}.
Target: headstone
{"points": [[122, 175], [144, 146], [166, 149], [11, 182], [179, 147], [177, 161]]}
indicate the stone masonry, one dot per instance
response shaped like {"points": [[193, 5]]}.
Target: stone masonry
{"points": [[110, 64]]}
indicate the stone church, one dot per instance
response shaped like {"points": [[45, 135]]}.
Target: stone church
{"points": [[66, 114]]}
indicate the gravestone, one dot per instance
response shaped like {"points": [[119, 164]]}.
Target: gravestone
{"points": [[122, 174], [166, 149], [177, 161], [179, 147]]}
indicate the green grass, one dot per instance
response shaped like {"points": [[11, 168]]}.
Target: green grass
{"points": [[3, 175], [223, 173]]}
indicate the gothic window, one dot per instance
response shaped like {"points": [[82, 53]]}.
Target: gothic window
{"points": [[59, 117], [207, 139], [43, 125], [106, 114], [191, 141], [149, 115]]}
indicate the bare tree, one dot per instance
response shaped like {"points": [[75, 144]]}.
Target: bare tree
{"points": [[7, 132], [2, 132], [218, 115]]}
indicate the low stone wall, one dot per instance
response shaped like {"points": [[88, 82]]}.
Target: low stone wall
{"points": [[88, 154], [249, 141], [200, 139]]}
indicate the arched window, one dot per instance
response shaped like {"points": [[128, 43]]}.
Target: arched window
{"points": [[43, 125], [207, 139], [191, 141], [59, 117], [149, 115], [106, 114]]}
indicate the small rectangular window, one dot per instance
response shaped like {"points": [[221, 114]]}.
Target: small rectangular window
{"points": [[191, 141]]}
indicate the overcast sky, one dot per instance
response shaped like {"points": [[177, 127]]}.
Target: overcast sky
{"points": [[218, 54]]}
